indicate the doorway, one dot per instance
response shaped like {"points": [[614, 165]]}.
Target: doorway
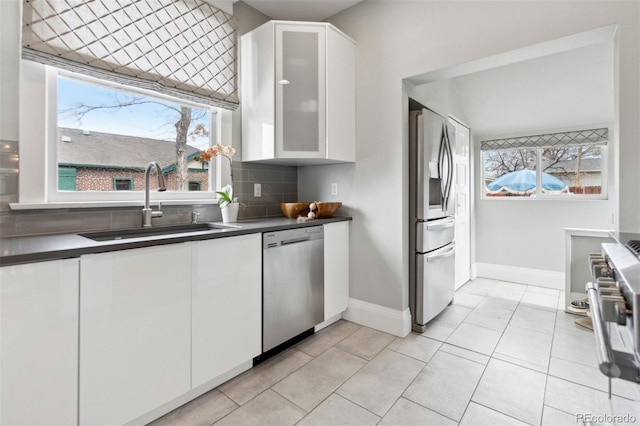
{"points": [[462, 188]]}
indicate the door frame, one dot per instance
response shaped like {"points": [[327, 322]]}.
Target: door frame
{"points": [[469, 202]]}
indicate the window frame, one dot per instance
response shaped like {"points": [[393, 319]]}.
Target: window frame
{"points": [[538, 195], [38, 127]]}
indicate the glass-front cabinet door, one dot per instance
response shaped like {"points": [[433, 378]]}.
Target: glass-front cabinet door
{"points": [[300, 75]]}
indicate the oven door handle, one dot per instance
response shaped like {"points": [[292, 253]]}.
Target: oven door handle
{"points": [[606, 361]]}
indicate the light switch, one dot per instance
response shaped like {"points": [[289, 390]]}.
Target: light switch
{"points": [[334, 189], [257, 190]]}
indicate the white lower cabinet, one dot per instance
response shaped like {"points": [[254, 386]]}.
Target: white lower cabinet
{"points": [[227, 304], [135, 328], [336, 268], [110, 337], [39, 343]]}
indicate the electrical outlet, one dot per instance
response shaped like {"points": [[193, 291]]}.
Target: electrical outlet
{"points": [[257, 190], [334, 189]]}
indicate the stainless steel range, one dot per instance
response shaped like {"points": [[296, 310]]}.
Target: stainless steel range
{"points": [[615, 307]]}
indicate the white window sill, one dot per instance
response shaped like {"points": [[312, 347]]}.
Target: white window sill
{"points": [[100, 204], [547, 198]]}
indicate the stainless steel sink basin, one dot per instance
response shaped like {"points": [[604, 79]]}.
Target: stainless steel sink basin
{"points": [[158, 231]]}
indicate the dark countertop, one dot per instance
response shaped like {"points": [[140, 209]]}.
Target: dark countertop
{"points": [[18, 250]]}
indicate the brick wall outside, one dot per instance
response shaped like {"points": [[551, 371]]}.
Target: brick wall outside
{"points": [[92, 179]]}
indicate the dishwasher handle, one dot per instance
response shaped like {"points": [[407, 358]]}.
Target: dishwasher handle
{"points": [[292, 236], [294, 241]]}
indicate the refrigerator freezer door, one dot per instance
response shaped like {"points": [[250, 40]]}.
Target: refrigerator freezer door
{"points": [[434, 234], [435, 279]]}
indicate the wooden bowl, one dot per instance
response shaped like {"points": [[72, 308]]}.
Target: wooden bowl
{"points": [[326, 209], [293, 210]]}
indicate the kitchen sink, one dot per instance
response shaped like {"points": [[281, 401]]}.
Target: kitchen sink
{"points": [[158, 231]]}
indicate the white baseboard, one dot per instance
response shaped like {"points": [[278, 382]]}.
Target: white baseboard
{"points": [[381, 318], [537, 277], [327, 323]]}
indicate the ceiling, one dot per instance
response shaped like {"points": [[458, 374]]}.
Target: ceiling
{"points": [[301, 10], [569, 88]]}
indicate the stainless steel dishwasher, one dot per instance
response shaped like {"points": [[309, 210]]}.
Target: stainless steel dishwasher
{"points": [[292, 283]]}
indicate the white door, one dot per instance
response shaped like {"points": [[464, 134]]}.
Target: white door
{"points": [[39, 343], [226, 305], [300, 91], [336, 268], [463, 202], [135, 331]]}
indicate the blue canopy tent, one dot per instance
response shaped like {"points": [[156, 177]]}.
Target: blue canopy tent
{"points": [[524, 182]]}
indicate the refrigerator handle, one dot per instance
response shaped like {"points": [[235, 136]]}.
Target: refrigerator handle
{"points": [[440, 224], [437, 255], [448, 154], [441, 157], [451, 165]]}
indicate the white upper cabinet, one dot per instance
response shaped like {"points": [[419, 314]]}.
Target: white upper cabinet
{"points": [[298, 94]]}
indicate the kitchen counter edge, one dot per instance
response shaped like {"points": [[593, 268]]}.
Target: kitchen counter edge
{"points": [[42, 248]]}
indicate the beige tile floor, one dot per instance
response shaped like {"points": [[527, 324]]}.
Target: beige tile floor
{"points": [[501, 354]]}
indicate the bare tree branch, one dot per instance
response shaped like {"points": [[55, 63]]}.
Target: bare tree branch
{"points": [[79, 110]]}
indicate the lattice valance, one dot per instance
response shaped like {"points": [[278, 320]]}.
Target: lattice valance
{"points": [[183, 48], [579, 137]]}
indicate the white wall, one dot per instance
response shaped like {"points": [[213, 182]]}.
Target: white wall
{"points": [[401, 39], [441, 96]]}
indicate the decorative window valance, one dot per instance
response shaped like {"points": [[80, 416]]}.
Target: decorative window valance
{"points": [[579, 137], [183, 48]]}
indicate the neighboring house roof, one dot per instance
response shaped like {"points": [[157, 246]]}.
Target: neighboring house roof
{"points": [[106, 150], [587, 165]]}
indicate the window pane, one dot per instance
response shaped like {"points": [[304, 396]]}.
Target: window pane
{"points": [[108, 135], [578, 167], [510, 173], [122, 184]]}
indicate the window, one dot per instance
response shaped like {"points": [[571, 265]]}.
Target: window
{"points": [[122, 184], [568, 164], [108, 134], [40, 185]]}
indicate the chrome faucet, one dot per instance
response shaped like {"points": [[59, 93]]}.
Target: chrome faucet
{"points": [[147, 212]]}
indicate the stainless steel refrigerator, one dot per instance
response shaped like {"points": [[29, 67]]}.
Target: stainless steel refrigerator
{"points": [[431, 207]]}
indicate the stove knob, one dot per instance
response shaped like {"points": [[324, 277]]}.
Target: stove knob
{"points": [[621, 313]]}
